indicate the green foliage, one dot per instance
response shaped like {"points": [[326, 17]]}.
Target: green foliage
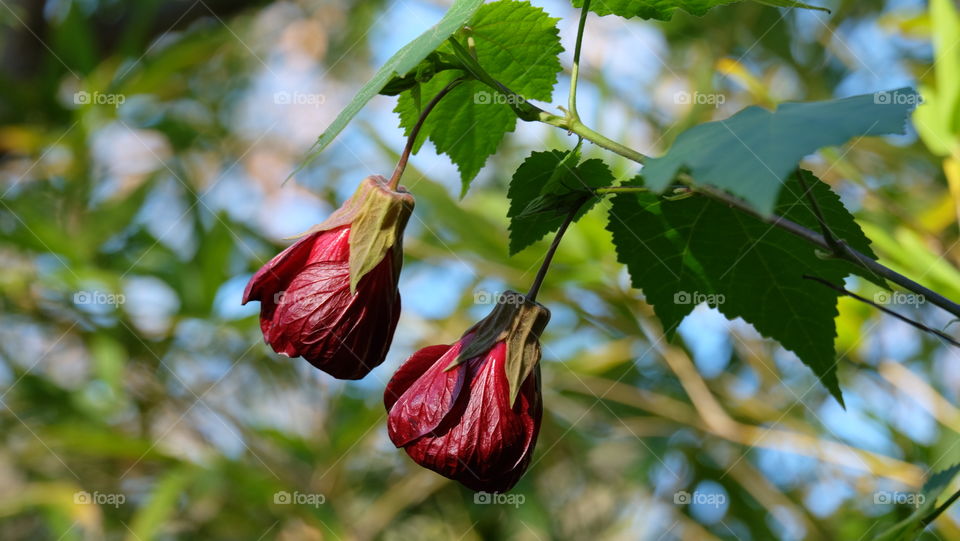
{"points": [[515, 42], [924, 509], [751, 153], [938, 118], [664, 9], [173, 400], [545, 188], [693, 250], [404, 60]]}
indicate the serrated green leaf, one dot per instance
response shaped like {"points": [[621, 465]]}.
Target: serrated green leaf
{"points": [[684, 252], [663, 9], [517, 44], [404, 60], [545, 188], [925, 507], [751, 153]]}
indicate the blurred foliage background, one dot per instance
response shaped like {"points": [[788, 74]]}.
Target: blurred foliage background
{"points": [[143, 148]]}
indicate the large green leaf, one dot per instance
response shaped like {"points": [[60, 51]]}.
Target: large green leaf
{"points": [[751, 153], [400, 63], [663, 9], [684, 252], [516, 43]]}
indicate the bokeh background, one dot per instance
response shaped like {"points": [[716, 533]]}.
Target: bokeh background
{"points": [[143, 149]]}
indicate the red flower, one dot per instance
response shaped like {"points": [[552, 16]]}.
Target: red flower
{"points": [[332, 297], [455, 410]]}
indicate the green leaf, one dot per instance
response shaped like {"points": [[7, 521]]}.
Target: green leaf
{"points": [[545, 188], [663, 9], [938, 119], [693, 250], [925, 510], [751, 153], [149, 520], [518, 45], [404, 60]]}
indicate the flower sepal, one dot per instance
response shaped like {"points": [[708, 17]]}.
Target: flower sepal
{"points": [[377, 215], [517, 321]]}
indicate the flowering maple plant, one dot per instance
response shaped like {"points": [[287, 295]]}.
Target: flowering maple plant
{"points": [[470, 411], [727, 213]]}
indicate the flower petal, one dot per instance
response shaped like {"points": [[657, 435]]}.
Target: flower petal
{"points": [[425, 403], [410, 370]]}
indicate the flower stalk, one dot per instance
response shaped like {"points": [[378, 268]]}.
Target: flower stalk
{"points": [[394, 182]]}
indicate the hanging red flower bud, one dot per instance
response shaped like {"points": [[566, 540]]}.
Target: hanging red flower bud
{"points": [[472, 411], [332, 297]]}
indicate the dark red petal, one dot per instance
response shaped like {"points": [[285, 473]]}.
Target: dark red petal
{"points": [[281, 269], [344, 334], [272, 279], [425, 403], [410, 370], [483, 442]]}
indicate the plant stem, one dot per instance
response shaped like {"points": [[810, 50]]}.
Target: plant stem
{"points": [[905, 319], [818, 214], [542, 273], [412, 138], [620, 189], [845, 251], [572, 114]]}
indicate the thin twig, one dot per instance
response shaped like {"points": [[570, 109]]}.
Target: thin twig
{"points": [[903, 318], [847, 253], [815, 206], [939, 510], [412, 138], [542, 273]]}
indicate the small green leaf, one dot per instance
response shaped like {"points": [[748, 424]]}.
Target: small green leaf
{"points": [[685, 252], [751, 153], [404, 60], [152, 516], [545, 188], [518, 45], [663, 9]]}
